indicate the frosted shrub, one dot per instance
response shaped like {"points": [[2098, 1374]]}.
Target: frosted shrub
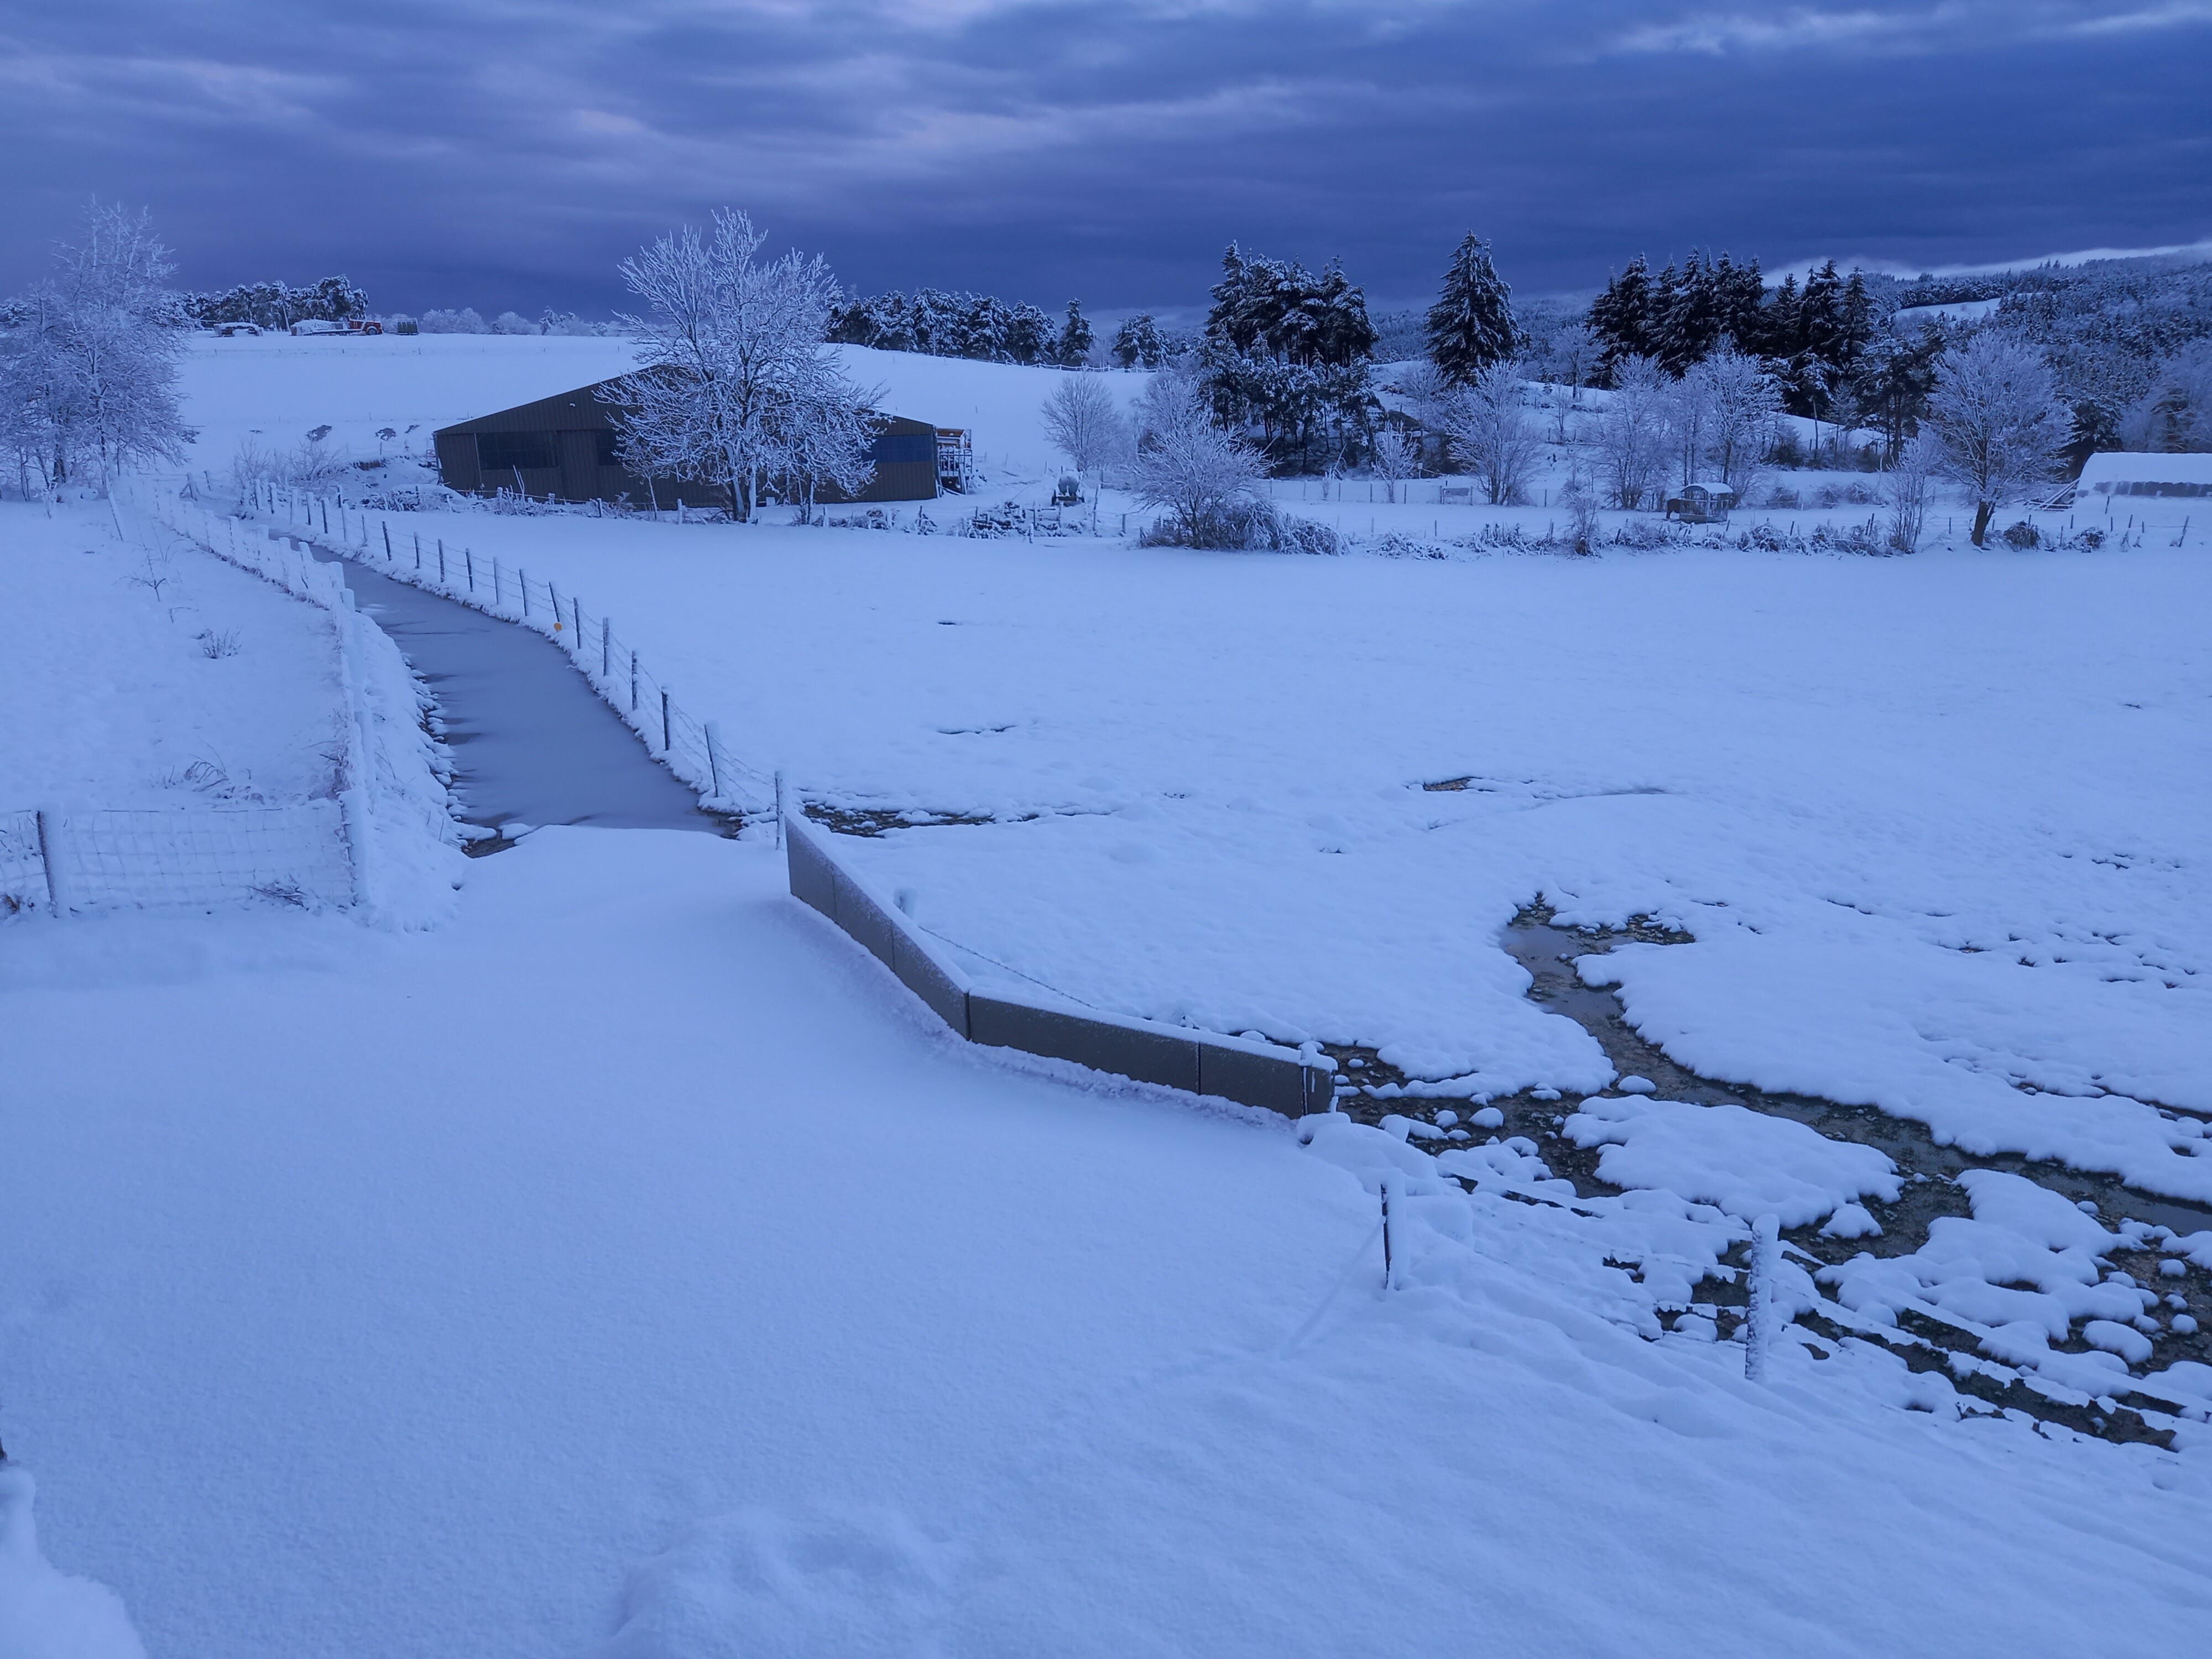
{"points": [[309, 466], [1907, 490], [464, 321], [1204, 476]]}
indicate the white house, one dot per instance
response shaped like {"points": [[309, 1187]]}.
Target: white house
{"points": [[2129, 472]]}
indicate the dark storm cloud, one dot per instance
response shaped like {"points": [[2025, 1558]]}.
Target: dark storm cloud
{"points": [[497, 153]]}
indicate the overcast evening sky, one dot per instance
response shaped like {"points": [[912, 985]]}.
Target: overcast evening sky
{"points": [[507, 153]]}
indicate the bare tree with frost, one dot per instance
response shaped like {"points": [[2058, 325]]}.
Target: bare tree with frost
{"points": [[1632, 432], [1737, 403], [1907, 488], [1396, 459], [1081, 423], [733, 367], [1490, 429], [824, 436], [88, 358], [2001, 427]]}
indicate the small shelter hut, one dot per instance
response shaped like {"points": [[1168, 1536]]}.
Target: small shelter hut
{"points": [[1709, 500], [566, 447]]}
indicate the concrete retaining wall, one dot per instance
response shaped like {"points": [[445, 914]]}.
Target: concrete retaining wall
{"points": [[1203, 1062]]}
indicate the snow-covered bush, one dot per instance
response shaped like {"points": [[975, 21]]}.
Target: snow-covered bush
{"points": [[1185, 462], [310, 465], [1250, 525], [509, 322], [464, 321]]}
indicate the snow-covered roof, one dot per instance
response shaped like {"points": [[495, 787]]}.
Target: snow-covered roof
{"points": [[1712, 486], [2116, 469]]}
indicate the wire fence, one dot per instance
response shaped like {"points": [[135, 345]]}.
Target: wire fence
{"points": [[691, 747], [298, 853]]}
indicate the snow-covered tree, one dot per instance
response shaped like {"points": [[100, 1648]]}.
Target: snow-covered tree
{"points": [[1285, 359], [88, 358], [1471, 326], [824, 434], [1137, 342], [1633, 431], [1081, 422], [1492, 432], [1190, 466], [464, 321], [2001, 424], [2176, 413], [1727, 405], [1072, 348], [732, 359]]}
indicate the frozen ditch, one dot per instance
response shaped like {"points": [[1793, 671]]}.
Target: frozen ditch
{"points": [[533, 743], [2033, 1285]]}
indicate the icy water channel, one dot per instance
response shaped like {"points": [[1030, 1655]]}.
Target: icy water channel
{"points": [[1549, 954], [533, 743]]}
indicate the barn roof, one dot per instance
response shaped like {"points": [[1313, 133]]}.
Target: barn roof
{"points": [[2126, 466]]}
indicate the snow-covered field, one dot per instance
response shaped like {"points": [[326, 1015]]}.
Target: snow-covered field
{"points": [[626, 1268], [1939, 825], [133, 677]]}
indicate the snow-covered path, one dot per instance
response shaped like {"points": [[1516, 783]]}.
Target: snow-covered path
{"points": [[531, 742], [403, 1294]]}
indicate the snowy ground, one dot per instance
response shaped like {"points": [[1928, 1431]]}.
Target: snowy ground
{"points": [[1937, 826], [130, 677], [710, 1301], [627, 1268]]}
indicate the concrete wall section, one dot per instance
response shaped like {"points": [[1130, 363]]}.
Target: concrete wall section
{"points": [[1250, 1072], [1150, 1054]]}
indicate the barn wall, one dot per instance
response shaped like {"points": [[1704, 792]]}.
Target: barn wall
{"points": [[571, 424]]}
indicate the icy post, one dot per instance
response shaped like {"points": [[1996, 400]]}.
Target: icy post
{"points": [[1758, 1317], [1389, 1243]]}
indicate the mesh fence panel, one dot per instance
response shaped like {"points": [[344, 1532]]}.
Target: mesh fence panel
{"points": [[22, 867], [295, 854]]}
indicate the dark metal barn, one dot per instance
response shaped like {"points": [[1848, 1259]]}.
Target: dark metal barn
{"points": [[564, 446]]}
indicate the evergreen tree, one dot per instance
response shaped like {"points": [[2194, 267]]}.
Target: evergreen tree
{"points": [[1073, 350], [1741, 293], [1620, 319], [1688, 326], [1471, 326], [1286, 352], [1137, 342]]}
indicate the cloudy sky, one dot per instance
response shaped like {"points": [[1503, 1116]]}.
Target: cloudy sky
{"points": [[506, 152]]}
